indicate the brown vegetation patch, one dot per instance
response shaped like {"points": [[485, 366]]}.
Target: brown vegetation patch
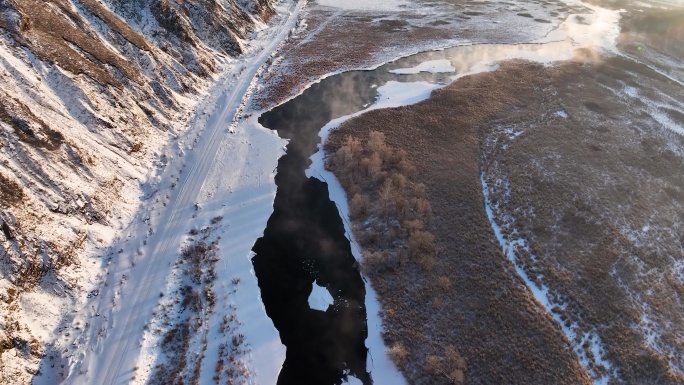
{"points": [[54, 32], [391, 215], [28, 127], [471, 301], [11, 193], [581, 190], [197, 298], [116, 24]]}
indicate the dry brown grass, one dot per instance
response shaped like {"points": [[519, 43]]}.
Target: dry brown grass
{"points": [[576, 184], [28, 127], [589, 179], [48, 29], [485, 313], [11, 193], [118, 25]]}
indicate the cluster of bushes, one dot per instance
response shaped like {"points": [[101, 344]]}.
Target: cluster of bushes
{"points": [[11, 192], [392, 218], [197, 299], [390, 213], [198, 259], [175, 344], [230, 363], [451, 365]]}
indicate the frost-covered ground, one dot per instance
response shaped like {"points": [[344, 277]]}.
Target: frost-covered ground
{"points": [[569, 36], [596, 235], [587, 344]]}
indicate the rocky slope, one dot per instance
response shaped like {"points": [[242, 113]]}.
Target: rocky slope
{"points": [[90, 92]]}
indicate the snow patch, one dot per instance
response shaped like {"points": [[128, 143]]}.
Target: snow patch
{"points": [[631, 91], [432, 66], [219, 167], [320, 298], [351, 380], [395, 94]]}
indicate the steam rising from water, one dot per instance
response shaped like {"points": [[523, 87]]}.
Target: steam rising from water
{"points": [[597, 29]]}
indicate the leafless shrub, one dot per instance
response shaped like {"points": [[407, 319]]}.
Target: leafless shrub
{"points": [[433, 364], [372, 166], [398, 353], [377, 145], [175, 345], [238, 340], [373, 261], [426, 261], [421, 242], [11, 193], [359, 206], [191, 299], [423, 210], [413, 225], [452, 366], [136, 147], [443, 283], [354, 145]]}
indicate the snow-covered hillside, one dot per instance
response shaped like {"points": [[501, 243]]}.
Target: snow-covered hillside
{"points": [[91, 93]]}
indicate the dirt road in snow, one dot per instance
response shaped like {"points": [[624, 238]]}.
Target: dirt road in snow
{"points": [[110, 347]]}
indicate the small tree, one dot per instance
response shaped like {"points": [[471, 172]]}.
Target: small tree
{"points": [[398, 353], [421, 242], [433, 365], [443, 283], [358, 207], [452, 365], [354, 145], [376, 144]]}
